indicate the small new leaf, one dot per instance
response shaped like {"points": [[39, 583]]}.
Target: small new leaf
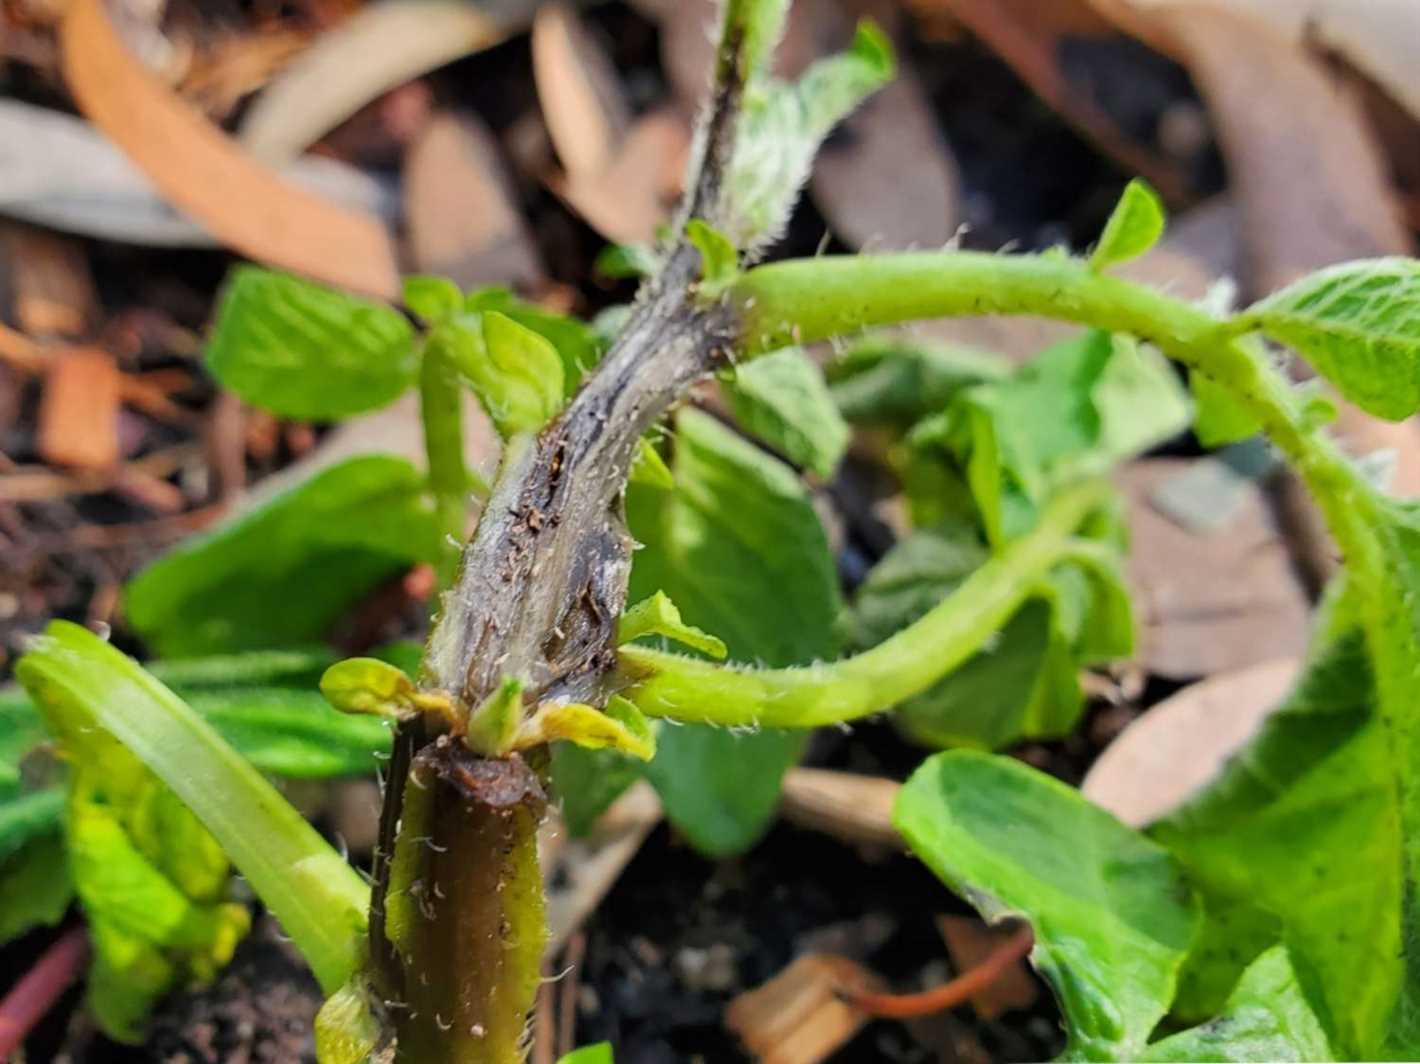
{"points": [[305, 351], [375, 687], [1133, 228], [432, 298], [620, 261], [517, 373], [781, 128], [718, 263], [346, 1029], [620, 727], [493, 726], [1358, 324], [658, 615]]}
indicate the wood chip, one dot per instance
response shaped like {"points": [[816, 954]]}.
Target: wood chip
{"points": [[53, 288], [1215, 602], [798, 1017], [580, 872], [637, 192], [883, 207], [848, 806], [461, 216], [78, 414], [1178, 746], [206, 174]]}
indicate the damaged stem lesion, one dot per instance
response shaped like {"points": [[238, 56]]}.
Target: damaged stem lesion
{"points": [[457, 927]]}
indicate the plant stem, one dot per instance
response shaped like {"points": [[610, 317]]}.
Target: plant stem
{"points": [[949, 995], [441, 409], [813, 299], [688, 689], [37, 991]]}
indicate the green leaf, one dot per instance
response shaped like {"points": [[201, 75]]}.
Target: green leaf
{"points": [[781, 127], [600, 1053], [97, 699], [1133, 228], [738, 547], [432, 298], [620, 261], [588, 781], [286, 570], [897, 381], [1072, 412], [649, 468], [35, 889], [302, 350], [28, 815], [518, 374], [1299, 840], [782, 399], [493, 725], [293, 733], [578, 344], [1113, 917], [1358, 324], [346, 1029], [1220, 419], [1267, 1017], [718, 262], [658, 615]]}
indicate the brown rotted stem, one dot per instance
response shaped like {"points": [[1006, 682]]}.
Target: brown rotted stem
{"points": [[456, 922]]}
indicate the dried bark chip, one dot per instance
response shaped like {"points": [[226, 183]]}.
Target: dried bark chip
{"points": [[871, 202], [582, 102], [78, 414], [970, 942], [1209, 602], [461, 217], [798, 1016], [1180, 744], [53, 288]]}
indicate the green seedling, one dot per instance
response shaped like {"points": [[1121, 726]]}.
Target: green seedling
{"points": [[1270, 918]]}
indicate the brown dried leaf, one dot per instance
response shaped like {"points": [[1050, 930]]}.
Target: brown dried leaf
{"points": [[798, 1017], [205, 174], [586, 112], [636, 193], [869, 200], [460, 214], [78, 414], [1209, 602], [1178, 746]]}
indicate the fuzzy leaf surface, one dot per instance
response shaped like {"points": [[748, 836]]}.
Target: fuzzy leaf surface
{"points": [[1358, 324], [782, 399]]}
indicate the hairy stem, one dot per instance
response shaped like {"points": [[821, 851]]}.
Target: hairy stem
{"points": [[906, 664], [806, 300]]}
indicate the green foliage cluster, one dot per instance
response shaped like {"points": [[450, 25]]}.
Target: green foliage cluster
{"points": [[1268, 918]]}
